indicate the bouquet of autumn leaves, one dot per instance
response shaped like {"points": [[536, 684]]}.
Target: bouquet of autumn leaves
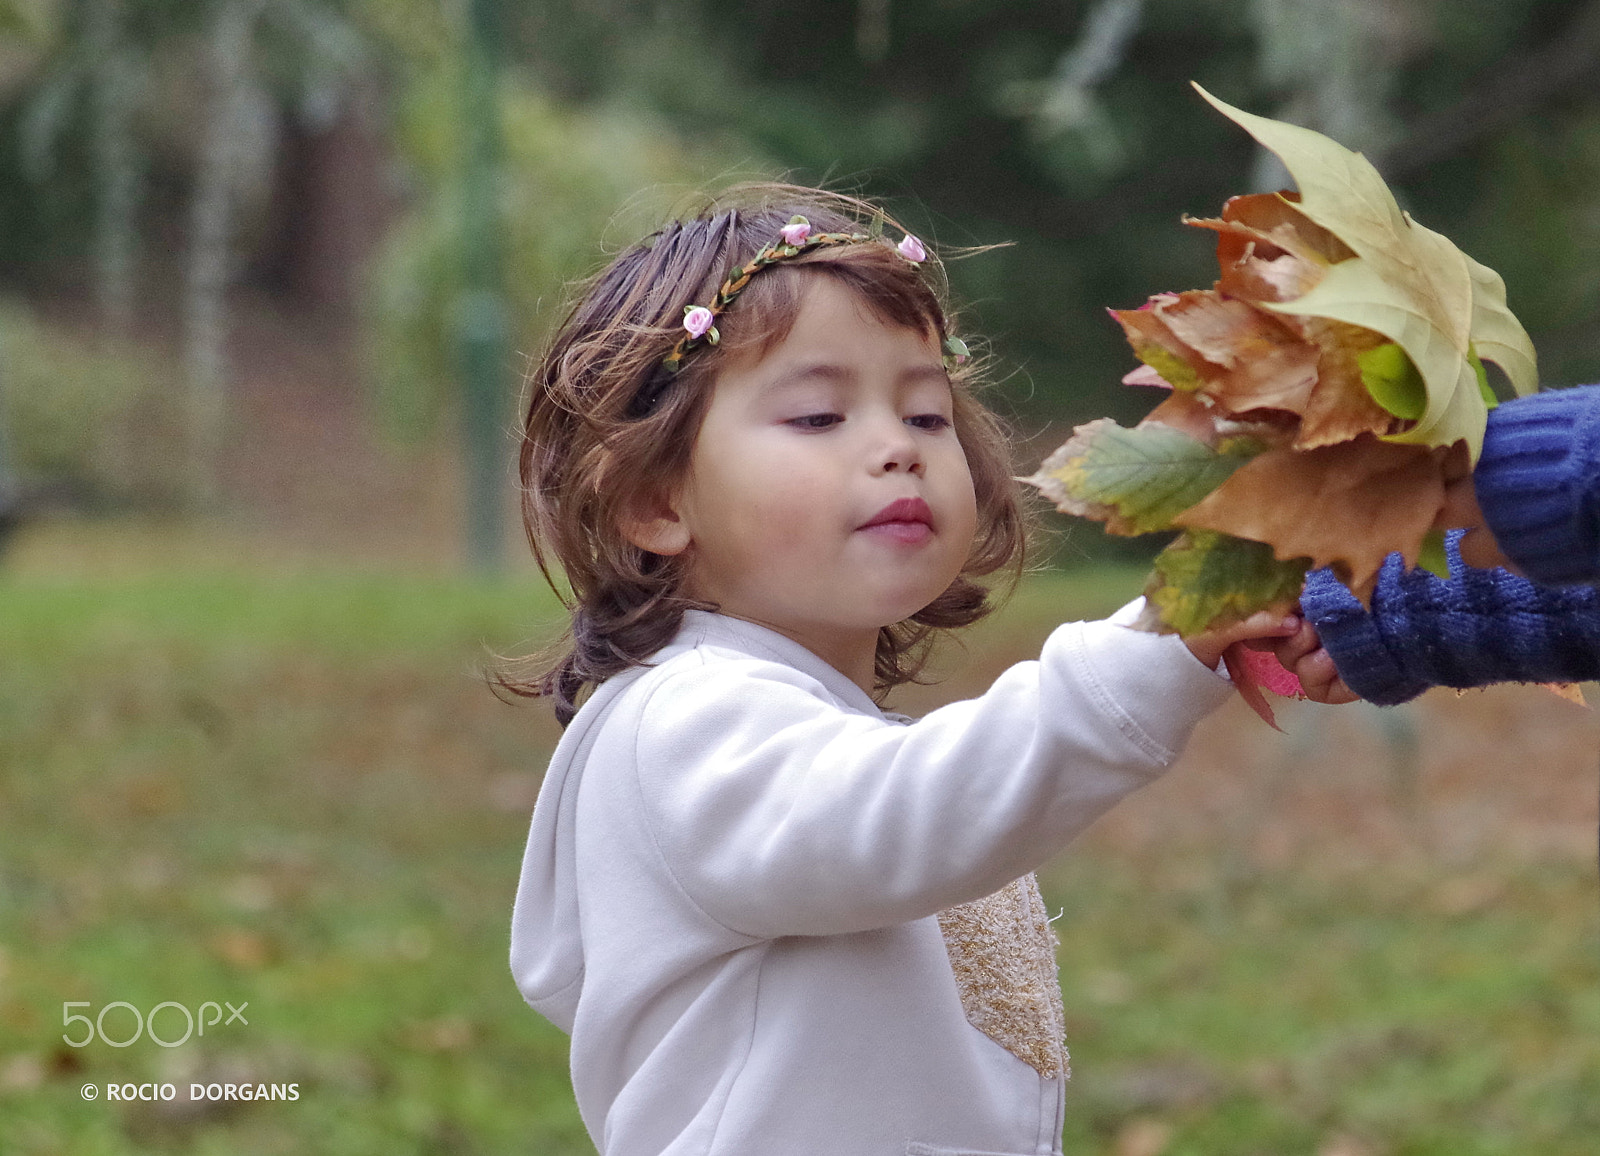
{"points": [[1321, 397]]}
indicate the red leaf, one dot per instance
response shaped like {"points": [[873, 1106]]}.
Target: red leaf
{"points": [[1244, 681]]}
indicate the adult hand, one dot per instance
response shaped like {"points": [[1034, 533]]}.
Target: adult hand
{"points": [[1461, 512]]}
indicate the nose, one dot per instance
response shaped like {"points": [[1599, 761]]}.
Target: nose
{"points": [[896, 450]]}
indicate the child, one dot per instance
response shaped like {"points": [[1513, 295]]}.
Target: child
{"points": [[774, 919], [1536, 495]]}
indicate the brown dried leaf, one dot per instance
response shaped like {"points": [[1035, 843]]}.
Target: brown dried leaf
{"points": [[1347, 505], [1268, 250], [1265, 364], [1189, 413], [1239, 356], [1405, 281], [1340, 407], [1155, 344]]}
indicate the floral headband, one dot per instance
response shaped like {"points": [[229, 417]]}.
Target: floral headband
{"points": [[795, 238]]}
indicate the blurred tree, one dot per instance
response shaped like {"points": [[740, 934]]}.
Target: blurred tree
{"points": [[1063, 125], [480, 310], [247, 55], [572, 183], [98, 57], [326, 51], [1069, 128]]}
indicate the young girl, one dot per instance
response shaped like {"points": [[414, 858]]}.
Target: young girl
{"points": [[774, 919]]}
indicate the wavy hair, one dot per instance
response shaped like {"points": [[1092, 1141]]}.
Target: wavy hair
{"points": [[603, 432]]}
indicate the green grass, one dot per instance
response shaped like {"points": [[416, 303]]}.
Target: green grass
{"points": [[222, 781]]}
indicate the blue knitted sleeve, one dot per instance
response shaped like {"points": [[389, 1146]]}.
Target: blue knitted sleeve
{"points": [[1538, 481], [1477, 628]]}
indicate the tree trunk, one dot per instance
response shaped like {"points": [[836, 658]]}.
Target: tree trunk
{"points": [[114, 90], [211, 228]]}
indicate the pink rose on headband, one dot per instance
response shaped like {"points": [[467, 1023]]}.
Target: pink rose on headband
{"points": [[911, 249], [796, 232], [697, 320]]}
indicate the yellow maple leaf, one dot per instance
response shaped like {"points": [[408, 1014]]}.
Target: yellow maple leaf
{"points": [[1405, 281]]}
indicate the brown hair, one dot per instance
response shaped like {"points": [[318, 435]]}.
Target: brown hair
{"points": [[603, 431]]}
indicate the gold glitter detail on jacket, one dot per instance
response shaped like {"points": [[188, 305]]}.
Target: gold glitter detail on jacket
{"points": [[1003, 953]]}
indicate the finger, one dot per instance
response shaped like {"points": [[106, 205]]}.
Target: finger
{"points": [[1267, 624], [1338, 694], [1316, 669], [1291, 650]]}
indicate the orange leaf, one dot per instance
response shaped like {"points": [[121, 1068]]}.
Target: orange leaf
{"points": [[1155, 344], [1345, 505], [1186, 412], [1268, 250], [1340, 407], [1241, 357]]}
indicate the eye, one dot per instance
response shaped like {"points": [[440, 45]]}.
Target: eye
{"points": [[932, 422], [816, 420]]}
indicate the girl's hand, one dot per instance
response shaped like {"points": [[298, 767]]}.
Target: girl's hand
{"points": [[1265, 624], [1302, 653]]}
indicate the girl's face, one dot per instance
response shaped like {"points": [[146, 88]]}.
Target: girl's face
{"points": [[827, 494]]}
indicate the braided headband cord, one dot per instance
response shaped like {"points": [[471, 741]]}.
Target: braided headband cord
{"points": [[699, 321], [730, 289]]}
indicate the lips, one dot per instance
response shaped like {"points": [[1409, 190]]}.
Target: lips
{"points": [[907, 520]]}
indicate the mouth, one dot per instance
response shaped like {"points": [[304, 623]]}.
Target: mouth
{"points": [[906, 520]]}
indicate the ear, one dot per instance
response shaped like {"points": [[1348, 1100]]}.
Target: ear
{"points": [[656, 526]]}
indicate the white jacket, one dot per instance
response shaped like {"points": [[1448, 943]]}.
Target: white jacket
{"points": [[731, 887]]}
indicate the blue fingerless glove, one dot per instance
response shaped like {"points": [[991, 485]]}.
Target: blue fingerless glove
{"points": [[1477, 628]]}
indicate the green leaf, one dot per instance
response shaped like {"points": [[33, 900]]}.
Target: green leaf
{"points": [[1432, 556], [1489, 399], [1393, 381], [1174, 370], [1136, 480], [1205, 579]]}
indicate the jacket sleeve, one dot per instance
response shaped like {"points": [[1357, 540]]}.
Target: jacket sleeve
{"points": [[1477, 628], [1538, 482], [779, 813]]}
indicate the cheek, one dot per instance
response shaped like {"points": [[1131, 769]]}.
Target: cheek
{"points": [[963, 498], [766, 503], [785, 515]]}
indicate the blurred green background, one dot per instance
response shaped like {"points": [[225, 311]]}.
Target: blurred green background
{"points": [[269, 270]]}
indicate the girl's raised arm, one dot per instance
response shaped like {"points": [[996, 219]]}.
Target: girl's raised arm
{"points": [[781, 814]]}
